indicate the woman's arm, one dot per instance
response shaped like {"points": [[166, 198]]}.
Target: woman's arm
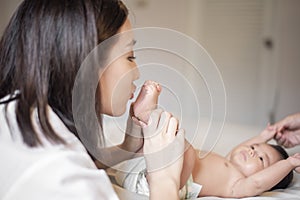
{"points": [[163, 151], [132, 144]]}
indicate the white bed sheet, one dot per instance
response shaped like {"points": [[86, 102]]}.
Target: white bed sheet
{"points": [[232, 134], [291, 193]]}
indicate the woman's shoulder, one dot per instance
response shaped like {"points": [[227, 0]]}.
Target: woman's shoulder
{"points": [[9, 129], [50, 174]]}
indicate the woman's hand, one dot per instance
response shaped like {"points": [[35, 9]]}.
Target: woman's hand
{"points": [[163, 151], [139, 114], [134, 138]]}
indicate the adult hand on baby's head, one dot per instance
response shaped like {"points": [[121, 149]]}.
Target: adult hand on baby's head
{"points": [[288, 131], [287, 138], [146, 102]]}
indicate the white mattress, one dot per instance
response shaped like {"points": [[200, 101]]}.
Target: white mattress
{"points": [[231, 135]]}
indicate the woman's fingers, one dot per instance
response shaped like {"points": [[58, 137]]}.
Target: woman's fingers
{"points": [[172, 128], [161, 145], [164, 122], [151, 128]]}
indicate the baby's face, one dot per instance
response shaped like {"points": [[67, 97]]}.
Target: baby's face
{"points": [[251, 159]]}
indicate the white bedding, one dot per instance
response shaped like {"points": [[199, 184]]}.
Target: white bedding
{"points": [[232, 135]]}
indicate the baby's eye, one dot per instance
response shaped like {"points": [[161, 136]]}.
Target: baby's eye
{"points": [[131, 58], [252, 147], [261, 159]]}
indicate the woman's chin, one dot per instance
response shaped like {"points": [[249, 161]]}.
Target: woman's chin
{"points": [[117, 113]]}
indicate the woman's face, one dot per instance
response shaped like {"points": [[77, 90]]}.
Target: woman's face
{"points": [[117, 81], [254, 158]]}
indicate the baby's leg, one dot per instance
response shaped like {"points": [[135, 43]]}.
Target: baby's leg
{"points": [[188, 163], [146, 101]]}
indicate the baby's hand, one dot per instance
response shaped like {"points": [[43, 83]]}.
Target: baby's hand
{"points": [[146, 101], [295, 161], [268, 133]]}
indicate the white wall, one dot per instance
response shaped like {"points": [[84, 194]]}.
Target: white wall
{"points": [[288, 99], [261, 84], [7, 7], [161, 13], [231, 33], [280, 68]]}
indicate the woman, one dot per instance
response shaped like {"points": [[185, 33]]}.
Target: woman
{"points": [[41, 51]]}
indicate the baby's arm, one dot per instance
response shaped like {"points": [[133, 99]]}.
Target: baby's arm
{"points": [[266, 135], [267, 178]]}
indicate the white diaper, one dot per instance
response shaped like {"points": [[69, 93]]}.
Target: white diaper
{"points": [[132, 176], [190, 190]]}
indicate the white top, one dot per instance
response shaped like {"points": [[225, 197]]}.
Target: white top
{"points": [[51, 171]]}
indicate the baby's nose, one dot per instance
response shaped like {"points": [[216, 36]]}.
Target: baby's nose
{"points": [[252, 152]]}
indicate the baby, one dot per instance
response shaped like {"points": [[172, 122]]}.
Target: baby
{"points": [[248, 170]]}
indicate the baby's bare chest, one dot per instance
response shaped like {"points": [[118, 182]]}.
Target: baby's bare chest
{"points": [[214, 170]]}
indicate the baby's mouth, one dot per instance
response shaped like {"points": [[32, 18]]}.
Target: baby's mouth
{"points": [[244, 155]]}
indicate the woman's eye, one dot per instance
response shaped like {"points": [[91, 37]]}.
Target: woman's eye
{"points": [[252, 147], [131, 58], [261, 159]]}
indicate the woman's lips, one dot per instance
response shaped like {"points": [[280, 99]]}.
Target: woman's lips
{"points": [[133, 91], [132, 96]]}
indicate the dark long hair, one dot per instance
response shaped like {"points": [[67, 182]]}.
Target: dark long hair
{"points": [[41, 51], [284, 183]]}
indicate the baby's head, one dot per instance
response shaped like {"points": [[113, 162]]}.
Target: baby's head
{"points": [[254, 158], [284, 183]]}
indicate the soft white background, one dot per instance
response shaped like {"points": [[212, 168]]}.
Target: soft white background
{"points": [[262, 84]]}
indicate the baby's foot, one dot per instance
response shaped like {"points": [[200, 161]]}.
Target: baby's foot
{"points": [[146, 101]]}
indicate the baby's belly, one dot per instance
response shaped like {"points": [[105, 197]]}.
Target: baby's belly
{"points": [[213, 173]]}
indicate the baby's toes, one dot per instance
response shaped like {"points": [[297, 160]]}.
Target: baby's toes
{"points": [[152, 88]]}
